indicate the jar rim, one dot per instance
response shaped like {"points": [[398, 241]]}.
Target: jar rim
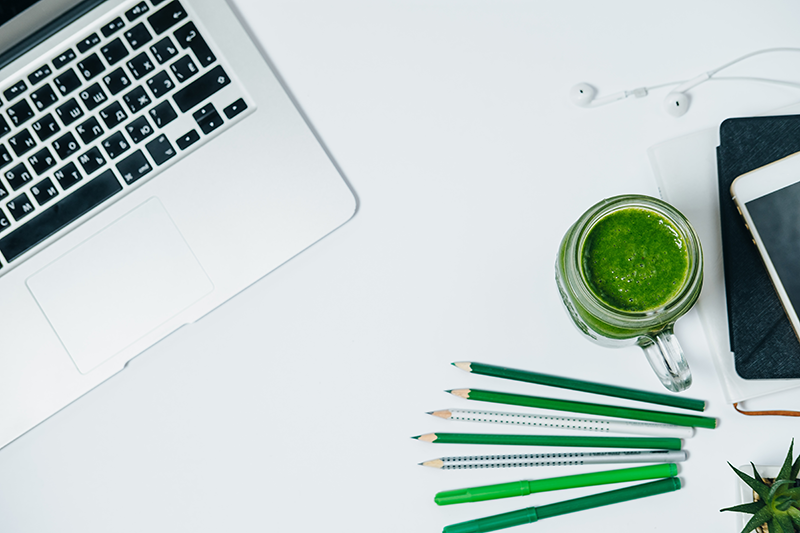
{"points": [[662, 314]]}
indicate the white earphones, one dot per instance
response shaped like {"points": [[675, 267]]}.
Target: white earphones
{"points": [[677, 101]]}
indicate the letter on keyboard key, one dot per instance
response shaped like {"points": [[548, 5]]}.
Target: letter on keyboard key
{"points": [[72, 207], [201, 88]]}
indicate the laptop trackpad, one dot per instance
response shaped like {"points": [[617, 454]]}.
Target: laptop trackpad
{"points": [[119, 285]]}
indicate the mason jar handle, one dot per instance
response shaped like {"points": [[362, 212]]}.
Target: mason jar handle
{"points": [[665, 355]]}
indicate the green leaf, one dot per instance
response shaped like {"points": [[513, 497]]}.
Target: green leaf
{"points": [[795, 468], [782, 524], [756, 484], [786, 469], [752, 507], [764, 515], [794, 514], [778, 488]]}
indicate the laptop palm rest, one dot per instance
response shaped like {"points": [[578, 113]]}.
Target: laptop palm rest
{"points": [[119, 285]]}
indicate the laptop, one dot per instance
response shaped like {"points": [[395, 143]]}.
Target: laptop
{"points": [[151, 167]]}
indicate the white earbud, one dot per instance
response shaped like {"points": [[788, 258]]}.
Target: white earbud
{"points": [[677, 101], [676, 104], [584, 95]]}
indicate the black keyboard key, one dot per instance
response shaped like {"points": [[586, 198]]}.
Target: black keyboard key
{"points": [[68, 176], [15, 90], [113, 115], [63, 58], [18, 176], [42, 161], [188, 139], [138, 36], [20, 112], [114, 51], [93, 96], [44, 97], [69, 112], [140, 65], [139, 129], [4, 222], [44, 191], [90, 67], [201, 88], [89, 130], [20, 207], [157, 2], [235, 108], [160, 84], [207, 118], [133, 167], [66, 145], [92, 160], [163, 114], [188, 37], [184, 68], [136, 100], [116, 145], [4, 127], [59, 215], [46, 127], [164, 50], [113, 27], [39, 74], [160, 150], [88, 42], [22, 142], [67, 82], [5, 158], [137, 11], [116, 81], [167, 17]]}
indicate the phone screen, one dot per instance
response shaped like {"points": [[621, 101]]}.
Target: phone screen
{"points": [[776, 217]]}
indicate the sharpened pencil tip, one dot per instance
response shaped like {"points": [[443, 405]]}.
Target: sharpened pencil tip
{"points": [[463, 365], [417, 437]]}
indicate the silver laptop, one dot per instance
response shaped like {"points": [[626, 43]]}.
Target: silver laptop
{"points": [[151, 167]]}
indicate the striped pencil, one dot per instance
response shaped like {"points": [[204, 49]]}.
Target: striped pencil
{"points": [[527, 460], [585, 424]]}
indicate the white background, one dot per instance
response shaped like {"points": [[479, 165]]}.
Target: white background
{"points": [[290, 408]]}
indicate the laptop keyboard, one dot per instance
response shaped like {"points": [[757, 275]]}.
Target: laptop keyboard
{"points": [[104, 113]]}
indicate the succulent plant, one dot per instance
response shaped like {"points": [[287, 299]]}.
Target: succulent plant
{"points": [[777, 505]]}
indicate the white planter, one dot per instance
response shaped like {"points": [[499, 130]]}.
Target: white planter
{"points": [[746, 493]]}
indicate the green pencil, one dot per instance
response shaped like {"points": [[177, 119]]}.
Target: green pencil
{"points": [[630, 413], [525, 487], [578, 385], [655, 443], [532, 514]]}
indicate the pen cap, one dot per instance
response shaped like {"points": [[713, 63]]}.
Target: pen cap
{"points": [[477, 494], [495, 522]]}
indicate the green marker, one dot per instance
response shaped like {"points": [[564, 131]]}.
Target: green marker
{"points": [[533, 514], [523, 488]]}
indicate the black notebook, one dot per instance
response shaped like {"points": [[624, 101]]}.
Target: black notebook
{"points": [[762, 339]]}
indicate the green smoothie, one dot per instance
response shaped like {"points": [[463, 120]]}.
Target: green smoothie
{"points": [[635, 260]]}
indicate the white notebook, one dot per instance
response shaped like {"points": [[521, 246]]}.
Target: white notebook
{"points": [[685, 169]]}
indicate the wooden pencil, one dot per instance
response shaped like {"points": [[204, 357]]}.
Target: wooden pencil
{"points": [[552, 440], [579, 385], [678, 419]]}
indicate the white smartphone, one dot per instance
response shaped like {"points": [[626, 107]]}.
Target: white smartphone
{"points": [[768, 198]]}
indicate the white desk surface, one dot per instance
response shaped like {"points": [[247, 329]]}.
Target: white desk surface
{"points": [[290, 408]]}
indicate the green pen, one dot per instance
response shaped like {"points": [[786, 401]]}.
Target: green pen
{"points": [[523, 488], [533, 514]]}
